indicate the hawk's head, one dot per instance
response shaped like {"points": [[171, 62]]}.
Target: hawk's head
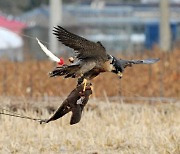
{"points": [[117, 67]]}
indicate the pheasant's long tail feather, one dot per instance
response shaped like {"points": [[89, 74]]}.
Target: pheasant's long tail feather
{"points": [[48, 52]]}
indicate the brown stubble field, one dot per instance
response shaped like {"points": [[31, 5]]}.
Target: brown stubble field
{"points": [[107, 126], [31, 79]]}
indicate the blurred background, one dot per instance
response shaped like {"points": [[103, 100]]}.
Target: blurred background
{"points": [[139, 113], [127, 28]]}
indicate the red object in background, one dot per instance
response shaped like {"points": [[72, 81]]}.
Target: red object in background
{"points": [[61, 62], [13, 25]]}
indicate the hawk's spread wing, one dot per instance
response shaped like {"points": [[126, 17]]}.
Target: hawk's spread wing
{"points": [[83, 47]]}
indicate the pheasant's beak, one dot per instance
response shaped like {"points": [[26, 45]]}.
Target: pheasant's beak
{"points": [[120, 75]]}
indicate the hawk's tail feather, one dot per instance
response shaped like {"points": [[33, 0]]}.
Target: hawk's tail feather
{"points": [[67, 71], [144, 61]]}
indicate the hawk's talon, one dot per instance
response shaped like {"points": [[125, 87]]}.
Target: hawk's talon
{"points": [[120, 75], [85, 83]]}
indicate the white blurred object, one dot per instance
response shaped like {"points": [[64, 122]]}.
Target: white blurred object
{"points": [[9, 39], [11, 45], [138, 38]]}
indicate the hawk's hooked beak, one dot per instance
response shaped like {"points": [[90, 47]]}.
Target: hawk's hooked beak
{"points": [[120, 74]]}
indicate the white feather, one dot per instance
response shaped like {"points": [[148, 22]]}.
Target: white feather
{"points": [[47, 52]]}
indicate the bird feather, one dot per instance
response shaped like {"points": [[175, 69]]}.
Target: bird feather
{"points": [[48, 52], [145, 61]]}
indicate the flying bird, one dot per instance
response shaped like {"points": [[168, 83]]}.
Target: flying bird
{"points": [[91, 58]]}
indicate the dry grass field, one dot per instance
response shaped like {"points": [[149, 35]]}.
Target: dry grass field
{"points": [[105, 128]]}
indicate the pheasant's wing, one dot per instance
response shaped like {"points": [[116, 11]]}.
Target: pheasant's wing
{"points": [[83, 47], [76, 114]]}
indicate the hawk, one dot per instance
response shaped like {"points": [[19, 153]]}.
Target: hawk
{"points": [[91, 58]]}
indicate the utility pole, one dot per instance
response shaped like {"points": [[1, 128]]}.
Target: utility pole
{"points": [[165, 31], [55, 19]]}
